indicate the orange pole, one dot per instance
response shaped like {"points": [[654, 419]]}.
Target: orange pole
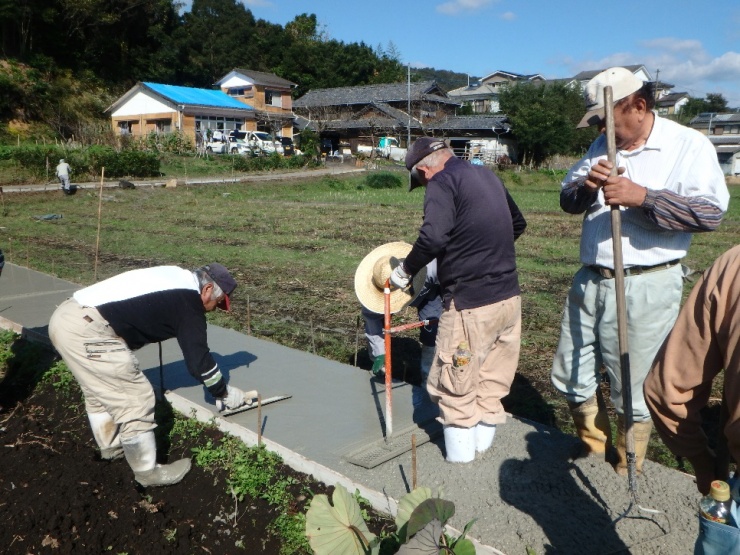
{"points": [[388, 377]]}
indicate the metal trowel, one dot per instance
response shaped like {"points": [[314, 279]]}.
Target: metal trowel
{"points": [[252, 401]]}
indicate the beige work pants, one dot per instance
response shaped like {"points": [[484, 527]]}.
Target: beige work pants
{"points": [[104, 366], [472, 394]]}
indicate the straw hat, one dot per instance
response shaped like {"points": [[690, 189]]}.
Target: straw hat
{"points": [[373, 272]]}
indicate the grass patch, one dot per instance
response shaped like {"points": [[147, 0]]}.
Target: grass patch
{"points": [[293, 247]]}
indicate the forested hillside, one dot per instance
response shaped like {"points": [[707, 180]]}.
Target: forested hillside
{"points": [[64, 61]]}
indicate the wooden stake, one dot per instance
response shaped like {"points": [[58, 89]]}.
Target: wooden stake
{"points": [[259, 420], [249, 318], [100, 210], [357, 339]]}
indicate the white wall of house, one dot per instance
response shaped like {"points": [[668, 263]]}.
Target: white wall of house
{"points": [[143, 103], [235, 82]]}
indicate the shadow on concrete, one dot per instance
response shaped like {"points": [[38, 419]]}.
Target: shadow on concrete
{"points": [[559, 498]]}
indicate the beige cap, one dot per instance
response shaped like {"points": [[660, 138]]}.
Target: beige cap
{"points": [[375, 269], [623, 83]]}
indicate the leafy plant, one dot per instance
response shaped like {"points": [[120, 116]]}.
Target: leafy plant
{"points": [[420, 521], [59, 377]]}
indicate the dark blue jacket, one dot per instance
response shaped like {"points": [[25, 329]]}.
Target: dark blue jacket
{"points": [[470, 224]]}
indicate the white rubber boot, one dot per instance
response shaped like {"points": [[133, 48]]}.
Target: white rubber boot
{"points": [[105, 432], [484, 434], [459, 444], [141, 455]]}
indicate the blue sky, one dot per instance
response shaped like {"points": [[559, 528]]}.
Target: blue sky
{"points": [[694, 45]]}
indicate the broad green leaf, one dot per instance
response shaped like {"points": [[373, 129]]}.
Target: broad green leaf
{"points": [[429, 510], [425, 541], [409, 502], [338, 529], [464, 547]]}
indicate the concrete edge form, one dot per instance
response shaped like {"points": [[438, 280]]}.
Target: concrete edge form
{"points": [[380, 501]]}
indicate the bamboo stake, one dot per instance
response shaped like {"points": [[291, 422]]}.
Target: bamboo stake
{"points": [[100, 210]]}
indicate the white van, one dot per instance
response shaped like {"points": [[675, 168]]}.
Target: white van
{"points": [[263, 141]]}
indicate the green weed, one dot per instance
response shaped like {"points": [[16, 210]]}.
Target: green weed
{"points": [[60, 378]]}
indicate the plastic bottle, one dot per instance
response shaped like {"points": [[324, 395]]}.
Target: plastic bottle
{"points": [[717, 505], [462, 356]]}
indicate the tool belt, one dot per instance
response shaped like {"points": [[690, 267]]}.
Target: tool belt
{"points": [[608, 273]]}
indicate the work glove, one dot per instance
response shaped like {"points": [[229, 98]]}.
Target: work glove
{"points": [[233, 399], [378, 366], [399, 277]]}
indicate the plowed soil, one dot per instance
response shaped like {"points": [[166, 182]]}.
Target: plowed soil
{"points": [[58, 497]]}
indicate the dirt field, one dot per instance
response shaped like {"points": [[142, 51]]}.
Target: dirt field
{"points": [[58, 497]]}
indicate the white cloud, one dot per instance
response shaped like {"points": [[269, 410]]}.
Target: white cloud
{"points": [[508, 16], [257, 3], [456, 6], [686, 64], [677, 46]]}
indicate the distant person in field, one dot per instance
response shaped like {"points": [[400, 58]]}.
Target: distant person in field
{"points": [[63, 171], [669, 186]]}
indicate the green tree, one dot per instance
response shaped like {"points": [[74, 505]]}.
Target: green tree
{"points": [[713, 102], [543, 119]]}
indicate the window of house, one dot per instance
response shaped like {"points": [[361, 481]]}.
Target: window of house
{"points": [[124, 127], [161, 125], [241, 91], [273, 98]]}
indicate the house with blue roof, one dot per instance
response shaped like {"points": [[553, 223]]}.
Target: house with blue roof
{"points": [[157, 108], [270, 96]]}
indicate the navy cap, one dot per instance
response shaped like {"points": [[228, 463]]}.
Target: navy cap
{"points": [[223, 279]]}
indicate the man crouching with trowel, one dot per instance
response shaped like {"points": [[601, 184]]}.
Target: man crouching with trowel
{"points": [[95, 332]]}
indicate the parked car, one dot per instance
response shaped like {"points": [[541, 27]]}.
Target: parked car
{"points": [[230, 146], [388, 147], [288, 147], [239, 146], [264, 142]]}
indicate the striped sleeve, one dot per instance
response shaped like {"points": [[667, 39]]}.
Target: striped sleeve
{"points": [[214, 382], [575, 198], [669, 210]]}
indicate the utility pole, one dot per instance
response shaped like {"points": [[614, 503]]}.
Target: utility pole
{"points": [[657, 83]]}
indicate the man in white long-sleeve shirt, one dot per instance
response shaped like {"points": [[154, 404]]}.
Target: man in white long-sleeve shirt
{"points": [[669, 185]]}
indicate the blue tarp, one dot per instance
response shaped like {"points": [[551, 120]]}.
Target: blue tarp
{"points": [[199, 97]]}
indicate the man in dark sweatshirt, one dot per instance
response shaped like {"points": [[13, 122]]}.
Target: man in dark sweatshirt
{"points": [[95, 332], [470, 225]]}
